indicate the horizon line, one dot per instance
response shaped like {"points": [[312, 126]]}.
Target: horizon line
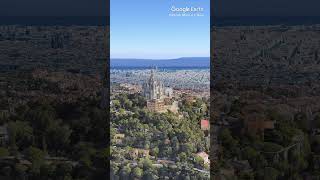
{"points": [[117, 58]]}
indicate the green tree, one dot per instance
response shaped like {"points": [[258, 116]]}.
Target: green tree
{"points": [[4, 152], [36, 157], [228, 142], [83, 152], [20, 134], [20, 171], [317, 120], [302, 121], [63, 170], [183, 157], [268, 173], [246, 176], [58, 136], [155, 151], [137, 172], [47, 171], [41, 117], [116, 103], [199, 161]]}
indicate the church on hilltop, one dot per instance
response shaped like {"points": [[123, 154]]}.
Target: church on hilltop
{"points": [[153, 89], [159, 97]]}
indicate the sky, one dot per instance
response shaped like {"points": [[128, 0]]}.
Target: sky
{"points": [[143, 29]]}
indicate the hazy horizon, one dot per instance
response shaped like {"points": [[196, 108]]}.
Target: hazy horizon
{"points": [[187, 62], [155, 59]]}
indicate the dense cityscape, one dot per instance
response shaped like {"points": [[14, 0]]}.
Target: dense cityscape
{"points": [[159, 126], [265, 102], [52, 123], [195, 79]]}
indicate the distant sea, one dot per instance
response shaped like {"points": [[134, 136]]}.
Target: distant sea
{"points": [[54, 20], [180, 63], [162, 68], [264, 21]]}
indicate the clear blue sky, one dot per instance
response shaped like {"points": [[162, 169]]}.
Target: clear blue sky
{"points": [[144, 29]]}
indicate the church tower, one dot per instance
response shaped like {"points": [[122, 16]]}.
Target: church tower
{"points": [[153, 89], [153, 86]]}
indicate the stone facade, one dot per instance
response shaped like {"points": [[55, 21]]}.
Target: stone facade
{"points": [[158, 96], [153, 89]]}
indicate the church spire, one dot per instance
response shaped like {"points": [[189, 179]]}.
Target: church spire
{"points": [[152, 76]]}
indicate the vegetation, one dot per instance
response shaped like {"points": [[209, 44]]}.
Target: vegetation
{"points": [[56, 141], [167, 136], [289, 150]]}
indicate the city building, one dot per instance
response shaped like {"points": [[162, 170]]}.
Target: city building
{"points": [[141, 153], [255, 124], [153, 89], [204, 156], [158, 96], [118, 138], [205, 126], [156, 105]]}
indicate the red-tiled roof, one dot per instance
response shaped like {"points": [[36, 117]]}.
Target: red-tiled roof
{"points": [[205, 124]]}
